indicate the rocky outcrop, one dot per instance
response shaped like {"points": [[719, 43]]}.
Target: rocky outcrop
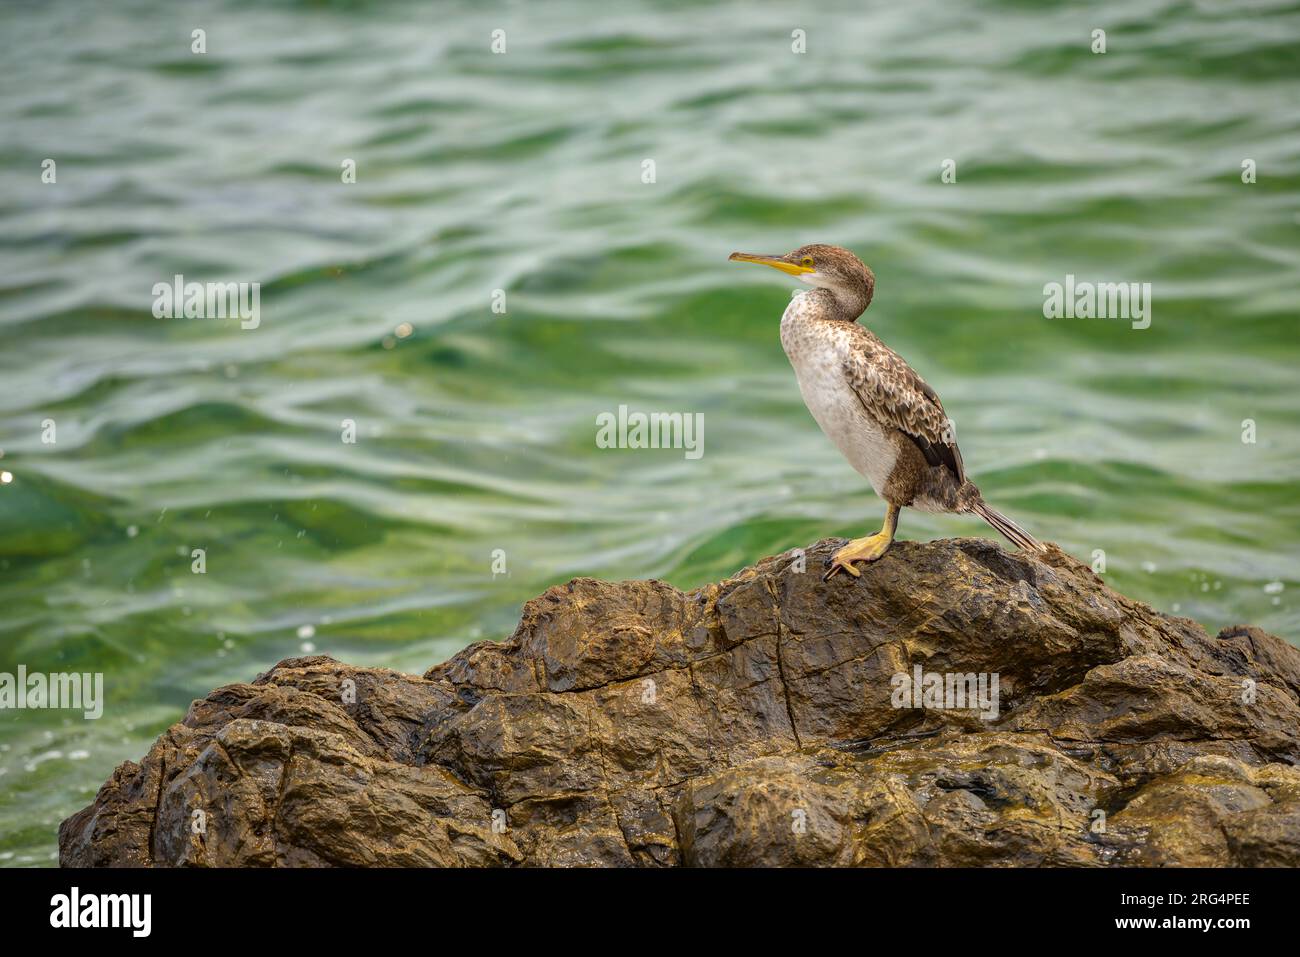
{"points": [[765, 720]]}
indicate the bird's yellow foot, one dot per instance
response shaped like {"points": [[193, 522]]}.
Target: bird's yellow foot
{"points": [[859, 550]]}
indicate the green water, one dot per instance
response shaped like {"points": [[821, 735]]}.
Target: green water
{"points": [[522, 172]]}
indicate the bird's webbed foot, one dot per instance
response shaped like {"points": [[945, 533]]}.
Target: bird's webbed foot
{"points": [[859, 550]]}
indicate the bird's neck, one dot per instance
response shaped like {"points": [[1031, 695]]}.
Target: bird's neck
{"points": [[839, 304]]}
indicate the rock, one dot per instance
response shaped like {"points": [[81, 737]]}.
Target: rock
{"points": [[751, 722]]}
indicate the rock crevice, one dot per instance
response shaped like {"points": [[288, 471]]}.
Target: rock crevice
{"points": [[750, 722]]}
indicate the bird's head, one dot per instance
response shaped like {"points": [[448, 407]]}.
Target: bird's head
{"points": [[847, 277]]}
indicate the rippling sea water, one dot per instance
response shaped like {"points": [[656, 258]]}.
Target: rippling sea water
{"points": [[523, 172]]}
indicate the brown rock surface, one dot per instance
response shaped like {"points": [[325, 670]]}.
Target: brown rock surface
{"points": [[749, 722]]}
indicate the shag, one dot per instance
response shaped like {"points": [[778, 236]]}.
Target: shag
{"points": [[880, 414]]}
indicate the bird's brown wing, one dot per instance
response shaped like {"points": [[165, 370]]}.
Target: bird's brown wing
{"points": [[894, 395]]}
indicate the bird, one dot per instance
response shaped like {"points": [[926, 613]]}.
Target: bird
{"points": [[882, 416]]}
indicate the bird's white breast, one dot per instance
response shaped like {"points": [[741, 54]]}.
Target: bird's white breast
{"points": [[817, 349]]}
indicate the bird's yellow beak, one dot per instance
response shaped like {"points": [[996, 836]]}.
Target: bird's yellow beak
{"points": [[776, 262]]}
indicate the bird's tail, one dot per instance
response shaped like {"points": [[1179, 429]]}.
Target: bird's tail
{"points": [[1007, 528]]}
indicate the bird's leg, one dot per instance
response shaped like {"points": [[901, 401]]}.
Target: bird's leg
{"points": [[865, 549]]}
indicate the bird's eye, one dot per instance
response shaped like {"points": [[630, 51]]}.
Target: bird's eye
{"points": [[807, 261]]}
